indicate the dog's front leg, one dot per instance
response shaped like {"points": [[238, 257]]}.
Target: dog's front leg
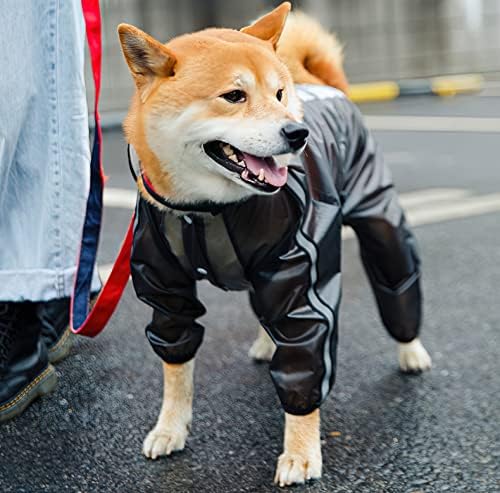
{"points": [[173, 423], [301, 458]]}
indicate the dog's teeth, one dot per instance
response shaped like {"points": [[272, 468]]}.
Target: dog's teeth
{"points": [[233, 157], [227, 149], [262, 174], [241, 163], [245, 173]]}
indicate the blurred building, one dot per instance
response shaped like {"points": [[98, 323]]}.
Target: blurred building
{"points": [[383, 39]]}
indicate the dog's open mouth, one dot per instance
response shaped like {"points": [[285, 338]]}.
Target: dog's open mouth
{"points": [[261, 172]]}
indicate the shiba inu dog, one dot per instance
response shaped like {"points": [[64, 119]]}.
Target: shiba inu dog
{"points": [[250, 158]]}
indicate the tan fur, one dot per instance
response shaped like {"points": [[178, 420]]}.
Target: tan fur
{"points": [[263, 347], [270, 26], [301, 457], [135, 134], [205, 62], [172, 428], [198, 66], [312, 55]]}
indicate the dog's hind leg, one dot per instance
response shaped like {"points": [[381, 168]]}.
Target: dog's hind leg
{"points": [[301, 458], [391, 261], [263, 347], [387, 245], [413, 357], [174, 421]]}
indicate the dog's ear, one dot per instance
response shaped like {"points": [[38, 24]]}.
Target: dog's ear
{"points": [[270, 26], [145, 56]]}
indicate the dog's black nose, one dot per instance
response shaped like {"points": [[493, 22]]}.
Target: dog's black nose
{"points": [[296, 134]]}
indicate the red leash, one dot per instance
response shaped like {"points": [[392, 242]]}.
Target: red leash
{"points": [[82, 321], [111, 292]]}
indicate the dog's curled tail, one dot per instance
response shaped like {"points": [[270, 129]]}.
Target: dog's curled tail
{"points": [[313, 55]]}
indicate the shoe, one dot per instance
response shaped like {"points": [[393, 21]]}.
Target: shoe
{"points": [[53, 317], [25, 371]]}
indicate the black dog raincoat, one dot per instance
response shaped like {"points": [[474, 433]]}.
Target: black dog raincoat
{"points": [[285, 250]]}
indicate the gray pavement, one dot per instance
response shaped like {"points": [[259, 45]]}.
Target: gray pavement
{"points": [[399, 434]]}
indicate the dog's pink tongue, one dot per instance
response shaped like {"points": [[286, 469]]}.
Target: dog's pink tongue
{"points": [[274, 175]]}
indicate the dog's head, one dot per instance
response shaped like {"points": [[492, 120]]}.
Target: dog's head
{"points": [[215, 115]]}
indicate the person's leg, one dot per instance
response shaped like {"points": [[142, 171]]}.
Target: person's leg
{"points": [[70, 182], [44, 170], [44, 149], [25, 372]]}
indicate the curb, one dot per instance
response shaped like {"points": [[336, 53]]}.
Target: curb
{"points": [[438, 86]]}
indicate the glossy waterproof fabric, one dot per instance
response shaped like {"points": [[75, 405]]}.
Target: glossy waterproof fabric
{"points": [[285, 250]]}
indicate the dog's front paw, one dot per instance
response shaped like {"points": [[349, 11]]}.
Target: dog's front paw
{"points": [[297, 468], [413, 357], [164, 441]]}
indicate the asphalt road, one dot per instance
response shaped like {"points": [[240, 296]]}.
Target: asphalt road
{"points": [[399, 434]]}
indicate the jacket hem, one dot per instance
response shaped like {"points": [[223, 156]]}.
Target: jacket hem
{"points": [[300, 412], [174, 360]]}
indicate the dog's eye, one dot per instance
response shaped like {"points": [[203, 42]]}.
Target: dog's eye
{"points": [[279, 94], [235, 96]]}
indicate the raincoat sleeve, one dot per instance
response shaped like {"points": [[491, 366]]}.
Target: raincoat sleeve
{"points": [[160, 281], [296, 295]]}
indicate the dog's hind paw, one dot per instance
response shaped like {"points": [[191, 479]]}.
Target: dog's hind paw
{"points": [[162, 441], [297, 469], [262, 348], [413, 357]]}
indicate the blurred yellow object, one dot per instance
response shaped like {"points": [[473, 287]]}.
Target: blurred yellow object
{"points": [[449, 86], [439, 86], [373, 91], [335, 434]]}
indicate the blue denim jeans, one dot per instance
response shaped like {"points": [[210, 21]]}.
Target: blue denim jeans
{"points": [[44, 147]]}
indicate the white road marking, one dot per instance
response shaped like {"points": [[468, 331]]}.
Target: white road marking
{"points": [[422, 207], [433, 123], [437, 205], [397, 158], [424, 197], [125, 199], [105, 271], [121, 198], [468, 207]]}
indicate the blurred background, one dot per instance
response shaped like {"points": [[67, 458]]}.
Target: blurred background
{"points": [[384, 39]]}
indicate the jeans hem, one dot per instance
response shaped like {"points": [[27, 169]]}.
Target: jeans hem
{"points": [[40, 284]]}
